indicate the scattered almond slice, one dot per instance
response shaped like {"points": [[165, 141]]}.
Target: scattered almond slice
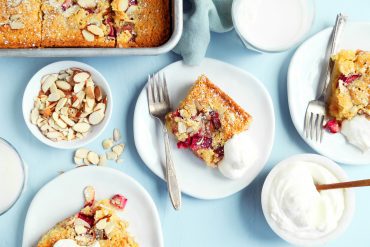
{"points": [[81, 127], [102, 160], [93, 158], [111, 155], [81, 77], [101, 224], [94, 29], [53, 97], [34, 115], [89, 194], [81, 153], [116, 135], [78, 161], [63, 85], [107, 143], [118, 149], [96, 117]]}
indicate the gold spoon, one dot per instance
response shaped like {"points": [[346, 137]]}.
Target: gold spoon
{"points": [[343, 185]]}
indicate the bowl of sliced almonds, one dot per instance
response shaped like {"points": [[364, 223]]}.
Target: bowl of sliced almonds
{"points": [[67, 104]]}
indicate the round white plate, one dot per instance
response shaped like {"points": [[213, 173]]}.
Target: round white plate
{"points": [[63, 197], [195, 178], [303, 78]]}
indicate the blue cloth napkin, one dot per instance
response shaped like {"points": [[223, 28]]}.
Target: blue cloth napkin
{"points": [[203, 17]]}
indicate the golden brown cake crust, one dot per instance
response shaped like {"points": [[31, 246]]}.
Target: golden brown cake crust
{"points": [[20, 25], [149, 23], [209, 117], [350, 85], [64, 28]]}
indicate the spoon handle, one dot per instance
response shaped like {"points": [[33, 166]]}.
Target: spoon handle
{"points": [[342, 185]]}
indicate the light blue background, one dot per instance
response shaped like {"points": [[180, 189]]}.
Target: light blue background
{"points": [[234, 221]]}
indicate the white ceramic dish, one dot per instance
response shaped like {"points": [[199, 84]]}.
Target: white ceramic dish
{"points": [[347, 213], [33, 89], [63, 196], [194, 177], [303, 78], [267, 23]]}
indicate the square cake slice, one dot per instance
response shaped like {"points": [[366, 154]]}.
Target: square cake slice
{"points": [[77, 23], [350, 85], [141, 23], [20, 23], [205, 120]]}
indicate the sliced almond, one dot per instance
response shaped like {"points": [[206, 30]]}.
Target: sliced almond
{"points": [[47, 81], [96, 117], [118, 149], [63, 85], [87, 4], [98, 93], [90, 103], [81, 95], [61, 123], [111, 156], [93, 158], [122, 5], [78, 161], [86, 161], [16, 25], [90, 92], [109, 228], [81, 77], [107, 143], [116, 135], [53, 97], [102, 160], [101, 224], [79, 229], [34, 115], [95, 30], [78, 87], [89, 194], [53, 135], [81, 127], [61, 103], [100, 107], [67, 120], [88, 36], [81, 153], [76, 104], [53, 88]]}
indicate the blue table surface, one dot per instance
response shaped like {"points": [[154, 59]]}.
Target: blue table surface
{"points": [[233, 221]]}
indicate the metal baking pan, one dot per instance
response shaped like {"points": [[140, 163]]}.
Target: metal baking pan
{"points": [[177, 25]]}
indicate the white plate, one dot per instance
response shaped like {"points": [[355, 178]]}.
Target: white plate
{"points": [[195, 178], [303, 77], [63, 197], [33, 88]]}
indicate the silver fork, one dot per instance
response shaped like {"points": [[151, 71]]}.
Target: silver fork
{"points": [[316, 111], [159, 105]]}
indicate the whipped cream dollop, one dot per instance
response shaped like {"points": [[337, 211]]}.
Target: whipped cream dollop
{"points": [[239, 154], [297, 207], [72, 243], [357, 132]]}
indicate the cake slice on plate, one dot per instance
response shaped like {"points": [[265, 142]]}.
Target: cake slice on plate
{"points": [[205, 120], [96, 224]]}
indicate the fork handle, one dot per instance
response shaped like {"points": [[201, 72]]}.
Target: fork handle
{"points": [[172, 183], [333, 45]]}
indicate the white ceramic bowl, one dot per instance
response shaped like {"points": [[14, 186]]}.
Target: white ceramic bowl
{"points": [[349, 201], [254, 44], [33, 89]]}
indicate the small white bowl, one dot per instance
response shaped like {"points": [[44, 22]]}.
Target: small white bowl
{"points": [[33, 88], [349, 201]]}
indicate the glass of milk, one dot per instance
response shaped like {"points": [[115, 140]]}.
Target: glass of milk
{"points": [[12, 176], [272, 25]]}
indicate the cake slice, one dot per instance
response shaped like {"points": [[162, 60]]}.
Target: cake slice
{"points": [[140, 23], [97, 222], [77, 23], [350, 85], [205, 120], [20, 23]]}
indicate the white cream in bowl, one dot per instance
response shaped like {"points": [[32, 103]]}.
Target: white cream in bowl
{"points": [[272, 25], [299, 213]]}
